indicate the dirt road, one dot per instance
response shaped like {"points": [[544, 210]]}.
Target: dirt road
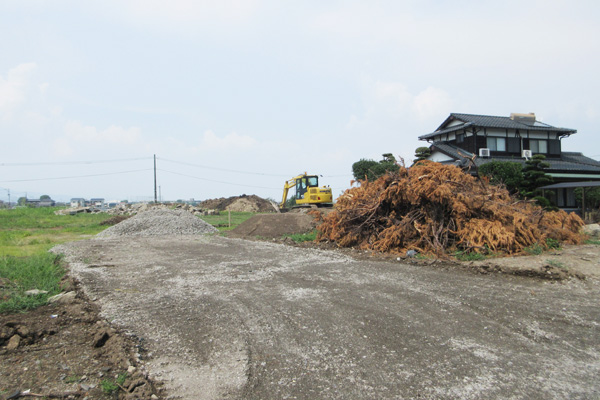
{"points": [[228, 318]]}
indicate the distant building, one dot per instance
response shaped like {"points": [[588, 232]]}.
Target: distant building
{"points": [[97, 202], [40, 203], [78, 202]]}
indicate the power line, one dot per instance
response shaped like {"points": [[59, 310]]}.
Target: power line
{"points": [[72, 162], [215, 181], [220, 169], [78, 176]]}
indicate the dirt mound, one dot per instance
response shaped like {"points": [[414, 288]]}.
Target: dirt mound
{"points": [[274, 226], [242, 203], [159, 222], [439, 209]]}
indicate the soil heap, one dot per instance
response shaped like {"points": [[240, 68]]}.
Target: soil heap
{"points": [[159, 222], [242, 203], [439, 209], [274, 226]]}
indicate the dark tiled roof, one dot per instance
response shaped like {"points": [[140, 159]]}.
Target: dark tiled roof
{"points": [[452, 151], [569, 161], [490, 121]]}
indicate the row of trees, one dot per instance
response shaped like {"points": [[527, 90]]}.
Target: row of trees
{"points": [[23, 200]]}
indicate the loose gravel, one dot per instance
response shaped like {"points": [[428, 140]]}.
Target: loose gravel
{"points": [[159, 222]]}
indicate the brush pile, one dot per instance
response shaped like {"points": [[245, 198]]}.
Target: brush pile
{"points": [[439, 209]]}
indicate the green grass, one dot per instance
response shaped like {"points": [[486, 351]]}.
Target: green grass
{"points": [[28, 231], [26, 235], [303, 237], [20, 274], [534, 250], [221, 221], [109, 386], [472, 256], [593, 241]]}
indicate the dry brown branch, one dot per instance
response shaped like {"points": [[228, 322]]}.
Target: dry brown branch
{"points": [[439, 209]]}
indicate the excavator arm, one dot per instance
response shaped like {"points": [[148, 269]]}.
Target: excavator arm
{"points": [[286, 188]]}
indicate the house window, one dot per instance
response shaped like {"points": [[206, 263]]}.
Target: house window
{"points": [[496, 143], [538, 146], [460, 138]]}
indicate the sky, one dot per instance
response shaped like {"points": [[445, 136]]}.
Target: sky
{"points": [[234, 97]]}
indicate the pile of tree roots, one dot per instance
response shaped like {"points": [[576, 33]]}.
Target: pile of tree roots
{"points": [[439, 209]]}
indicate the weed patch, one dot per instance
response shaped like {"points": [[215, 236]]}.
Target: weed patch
{"points": [[472, 256], [42, 272], [534, 250], [303, 237], [221, 221]]}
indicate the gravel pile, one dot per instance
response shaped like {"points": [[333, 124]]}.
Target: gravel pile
{"points": [[159, 222]]}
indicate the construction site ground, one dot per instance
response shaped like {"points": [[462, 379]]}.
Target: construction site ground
{"points": [[206, 317]]}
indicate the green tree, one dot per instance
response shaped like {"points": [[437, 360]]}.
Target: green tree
{"points": [[45, 197], [534, 176], [592, 197], [371, 170], [510, 174], [421, 153], [22, 201]]}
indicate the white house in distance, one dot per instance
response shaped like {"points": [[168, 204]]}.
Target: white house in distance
{"points": [[97, 202], [78, 202]]}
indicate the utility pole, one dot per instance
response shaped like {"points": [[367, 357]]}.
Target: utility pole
{"points": [[155, 179]]}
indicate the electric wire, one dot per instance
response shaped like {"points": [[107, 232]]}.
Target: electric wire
{"points": [[78, 176], [215, 181], [72, 162], [219, 169], [241, 172]]}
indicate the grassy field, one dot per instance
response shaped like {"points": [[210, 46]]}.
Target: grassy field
{"points": [[221, 221], [30, 231], [26, 235]]}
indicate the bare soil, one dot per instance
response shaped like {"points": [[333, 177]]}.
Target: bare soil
{"points": [[243, 203], [274, 226], [239, 319], [67, 351]]}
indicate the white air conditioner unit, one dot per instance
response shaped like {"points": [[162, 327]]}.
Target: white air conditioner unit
{"points": [[484, 152], [526, 153]]}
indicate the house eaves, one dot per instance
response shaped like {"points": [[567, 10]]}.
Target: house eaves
{"points": [[490, 121]]}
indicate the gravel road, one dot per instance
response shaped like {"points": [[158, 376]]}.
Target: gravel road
{"points": [[236, 319]]}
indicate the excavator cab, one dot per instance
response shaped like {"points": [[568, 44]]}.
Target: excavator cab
{"points": [[303, 184]]}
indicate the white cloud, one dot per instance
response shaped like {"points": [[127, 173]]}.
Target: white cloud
{"points": [[432, 102], [77, 132], [188, 15], [13, 89], [392, 100], [81, 138], [230, 141]]}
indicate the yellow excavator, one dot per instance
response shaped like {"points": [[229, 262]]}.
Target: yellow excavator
{"points": [[308, 192]]}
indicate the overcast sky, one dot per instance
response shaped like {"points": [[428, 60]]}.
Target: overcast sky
{"points": [[234, 97]]}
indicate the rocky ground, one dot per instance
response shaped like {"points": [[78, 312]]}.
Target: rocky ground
{"points": [[67, 350]]}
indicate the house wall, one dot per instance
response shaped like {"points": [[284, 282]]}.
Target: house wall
{"points": [[515, 142], [454, 123], [439, 157]]}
